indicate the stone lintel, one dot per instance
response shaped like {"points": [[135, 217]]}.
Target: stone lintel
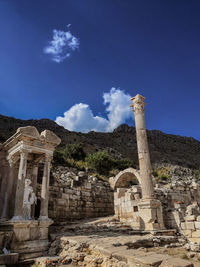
{"points": [[30, 134], [28, 148]]}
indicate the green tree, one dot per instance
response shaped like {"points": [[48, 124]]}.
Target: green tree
{"points": [[58, 156], [100, 161], [74, 151]]}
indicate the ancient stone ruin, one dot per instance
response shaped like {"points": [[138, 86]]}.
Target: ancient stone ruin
{"points": [[55, 215], [23, 152]]}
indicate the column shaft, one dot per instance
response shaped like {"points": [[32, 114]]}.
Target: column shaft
{"points": [[143, 150], [19, 197], [45, 190]]}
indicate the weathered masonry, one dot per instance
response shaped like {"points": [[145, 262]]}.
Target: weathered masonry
{"points": [[139, 206], [22, 153]]}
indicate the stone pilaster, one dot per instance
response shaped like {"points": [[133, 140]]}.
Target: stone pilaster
{"points": [[143, 150], [45, 189], [7, 188], [18, 209]]}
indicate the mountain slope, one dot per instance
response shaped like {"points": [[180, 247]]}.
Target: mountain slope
{"points": [[183, 151]]}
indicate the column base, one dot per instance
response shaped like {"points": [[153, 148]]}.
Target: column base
{"points": [[45, 218], [17, 218], [151, 215]]}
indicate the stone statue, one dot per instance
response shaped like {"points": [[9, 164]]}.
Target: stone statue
{"points": [[29, 199]]}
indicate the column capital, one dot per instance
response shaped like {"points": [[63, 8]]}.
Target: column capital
{"points": [[11, 161], [23, 153], [138, 103], [48, 158]]}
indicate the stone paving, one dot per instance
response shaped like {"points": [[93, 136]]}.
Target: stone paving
{"points": [[103, 243]]}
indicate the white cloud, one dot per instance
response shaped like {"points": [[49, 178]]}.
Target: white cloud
{"points": [[118, 107], [62, 45], [80, 117]]}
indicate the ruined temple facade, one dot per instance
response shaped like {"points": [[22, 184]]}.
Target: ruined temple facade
{"points": [[21, 154]]}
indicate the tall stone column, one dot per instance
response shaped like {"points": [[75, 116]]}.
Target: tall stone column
{"points": [[143, 150], [19, 197], [45, 189], [150, 208]]}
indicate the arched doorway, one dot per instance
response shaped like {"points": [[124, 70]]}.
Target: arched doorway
{"points": [[125, 179], [127, 195]]}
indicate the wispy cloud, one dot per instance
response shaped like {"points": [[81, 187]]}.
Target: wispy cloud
{"points": [[80, 117], [62, 44]]}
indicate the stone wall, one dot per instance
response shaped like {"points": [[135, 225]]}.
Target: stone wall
{"points": [[126, 205], [76, 195], [180, 198]]}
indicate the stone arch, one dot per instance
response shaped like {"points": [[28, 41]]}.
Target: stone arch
{"points": [[123, 178]]}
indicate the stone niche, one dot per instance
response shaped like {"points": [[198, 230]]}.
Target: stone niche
{"points": [[20, 231]]}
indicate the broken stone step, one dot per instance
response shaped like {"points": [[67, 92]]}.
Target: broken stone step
{"points": [[176, 262], [148, 260]]}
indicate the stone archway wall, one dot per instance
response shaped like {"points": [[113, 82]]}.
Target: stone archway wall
{"points": [[123, 178], [126, 196]]}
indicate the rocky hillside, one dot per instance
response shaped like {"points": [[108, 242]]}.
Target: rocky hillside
{"points": [[164, 148]]}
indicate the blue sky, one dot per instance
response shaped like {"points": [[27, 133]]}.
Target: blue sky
{"points": [[151, 47]]}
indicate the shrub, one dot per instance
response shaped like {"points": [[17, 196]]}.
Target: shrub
{"points": [[197, 174], [58, 157], [100, 161], [74, 151], [122, 164], [162, 174], [164, 177]]}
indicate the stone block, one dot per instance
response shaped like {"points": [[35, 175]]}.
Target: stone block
{"points": [[194, 239], [196, 234], [88, 185], [34, 233], [197, 225], [22, 234], [152, 260], [190, 226], [190, 218], [8, 259], [176, 262], [43, 233], [187, 233], [183, 226], [68, 191], [65, 196], [61, 202]]}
